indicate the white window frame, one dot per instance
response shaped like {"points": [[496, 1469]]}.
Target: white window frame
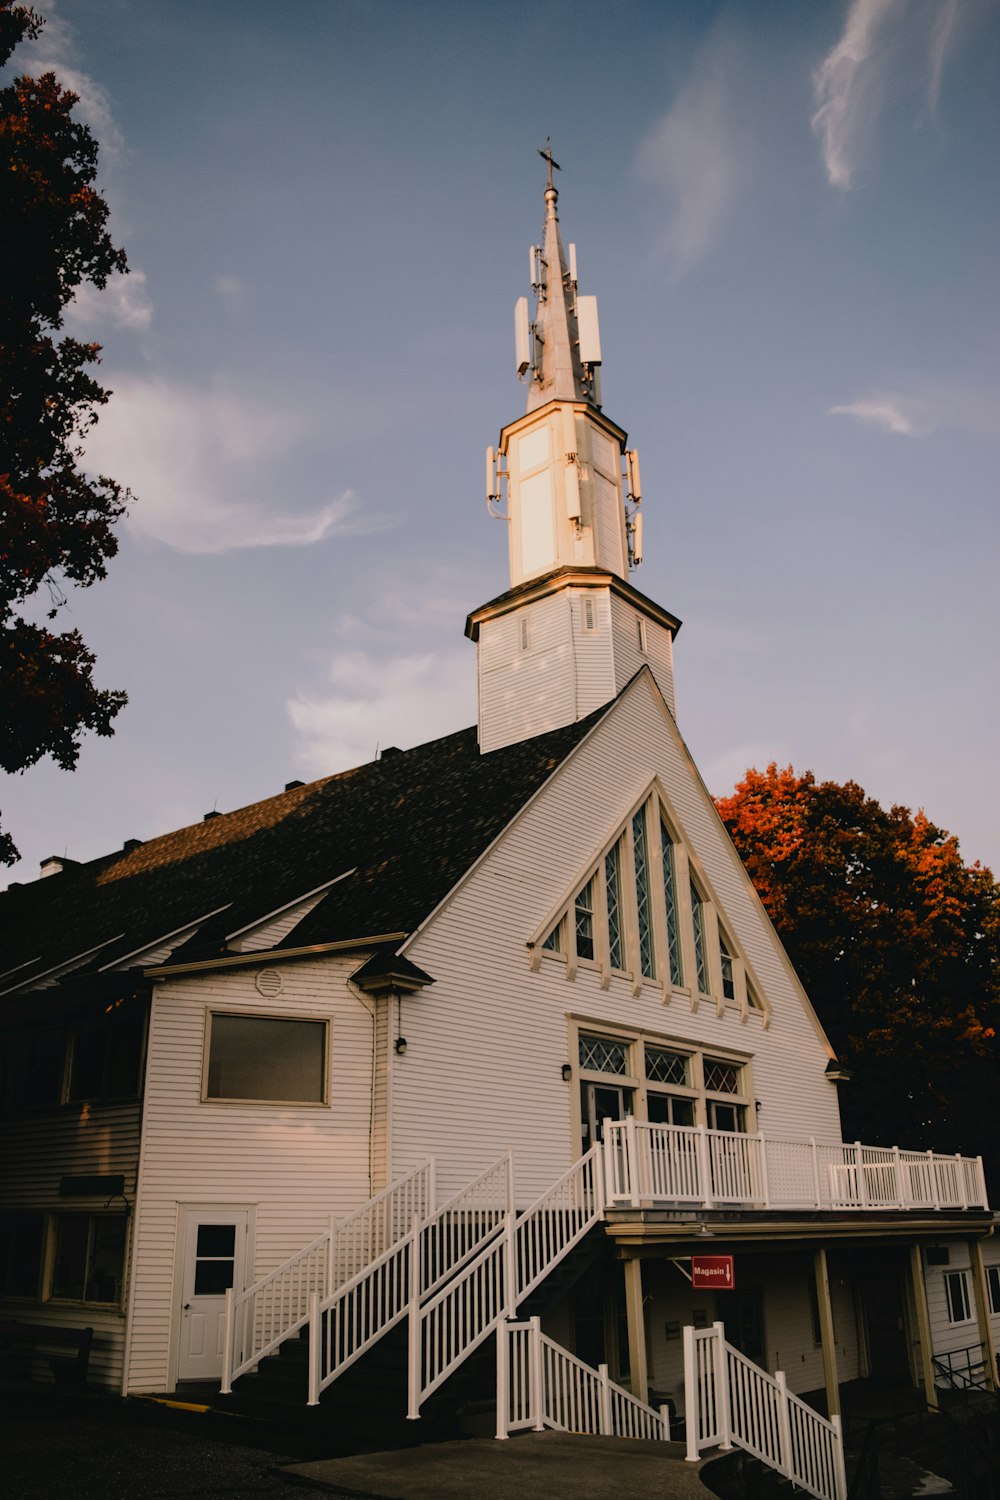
{"points": [[241, 1013], [959, 1280]]}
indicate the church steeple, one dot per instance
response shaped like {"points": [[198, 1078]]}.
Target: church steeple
{"points": [[571, 629], [556, 373]]}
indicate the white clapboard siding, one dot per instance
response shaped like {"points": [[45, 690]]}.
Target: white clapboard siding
{"points": [[293, 1165], [488, 1039], [39, 1149], [659, 654], [948, 1337], [523, 693], [592, 650]]}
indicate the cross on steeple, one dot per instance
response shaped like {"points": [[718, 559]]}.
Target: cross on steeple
{"points": [[546, 155]]}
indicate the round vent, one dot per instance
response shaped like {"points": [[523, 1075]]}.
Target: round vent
{"points": [[269, 983]]}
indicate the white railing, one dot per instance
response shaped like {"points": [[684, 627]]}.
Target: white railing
{"points": [[344, 1325], [275, 1307], [645, 1163], [459, 1317], [728, 1399], [540, 1384]]}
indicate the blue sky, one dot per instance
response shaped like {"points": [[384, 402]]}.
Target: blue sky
{"points": [[789, 213]]}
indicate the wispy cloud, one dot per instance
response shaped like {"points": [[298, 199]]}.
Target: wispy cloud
{"points": [[917, 413], [402, 698], [54, 51], [689, 153], [205, 464], [125, 302], [886, 46]]}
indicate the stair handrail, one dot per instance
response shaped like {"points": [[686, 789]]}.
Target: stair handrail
{"points": [[395, 1205], [462, 1314], [728, 1399], [276, 1306], [540, 1384], [345, 1324]]}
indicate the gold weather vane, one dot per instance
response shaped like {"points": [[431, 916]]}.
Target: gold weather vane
{"points": [[546, 155]]}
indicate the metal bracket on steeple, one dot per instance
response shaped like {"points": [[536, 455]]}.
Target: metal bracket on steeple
{"points": [[495, 478], [633, 500]]}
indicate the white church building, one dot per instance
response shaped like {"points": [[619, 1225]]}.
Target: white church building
{"points": [[488, 1030]]}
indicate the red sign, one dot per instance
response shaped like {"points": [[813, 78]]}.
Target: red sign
{"points": [[713, 1271]]}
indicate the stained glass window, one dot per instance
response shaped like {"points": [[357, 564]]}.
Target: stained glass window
{"points": [[646, 964], [584, 907], [670, 903], [613, 889], [699, 940], [728, 981]]}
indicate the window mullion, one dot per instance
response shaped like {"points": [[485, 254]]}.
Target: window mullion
{"points": [[713, 958], [630, 914], [657, 898]]}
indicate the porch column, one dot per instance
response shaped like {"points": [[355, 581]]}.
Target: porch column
{"points": [[827, 1335], [923, 1326], [983, 1310], [636, 1329]]}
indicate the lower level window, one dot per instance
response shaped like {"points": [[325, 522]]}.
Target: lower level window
{"points": [[956, 1286], [993, 1287], [89, 1260], [264, 1058]]}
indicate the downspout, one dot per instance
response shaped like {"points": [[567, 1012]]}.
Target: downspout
{"points": [[371, 1091]]}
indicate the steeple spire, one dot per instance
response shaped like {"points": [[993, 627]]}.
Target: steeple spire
{"points": [[558, 371]]}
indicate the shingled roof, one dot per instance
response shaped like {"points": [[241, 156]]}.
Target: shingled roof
{"points": [[396, 835]]}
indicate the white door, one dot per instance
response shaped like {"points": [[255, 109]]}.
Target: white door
{"points": [[215, 1253]]}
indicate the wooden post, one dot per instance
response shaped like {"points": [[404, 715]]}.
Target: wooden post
{"points": [[923, 1326], [227, 1346], [784, 1425], [503, 1391], [691, 1393], [537, 1375], [636, 1329], [704, 1169], [765, 1185], [838, 1459], [862, 1184], [509, 1266], [315, 1334], [897, 1170], [815, 1167], [827, 1335], [414, 1342], [983, 1311], [632, 1156], [725, 1419], [606, 1429]]}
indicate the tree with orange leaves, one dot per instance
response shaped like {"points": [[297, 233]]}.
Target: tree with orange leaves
{"points": [[57, 522], [897, 942]]}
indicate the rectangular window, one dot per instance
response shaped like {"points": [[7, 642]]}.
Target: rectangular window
{"points": [[666, 1067], [602, 1054], [612, 886], [698, 918], [646, 964], [640, 634], [584, 909], [20, 1254], [670, 903], [89, 1259], [956, 1287], [260, 1057], [107, 1053], [993, 1287]]}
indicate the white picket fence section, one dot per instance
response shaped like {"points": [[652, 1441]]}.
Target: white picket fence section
{"points": [[646, 1163], [276, 1306], [344, 1325], [446, 1329], [728, 1399], [540, 1384]]}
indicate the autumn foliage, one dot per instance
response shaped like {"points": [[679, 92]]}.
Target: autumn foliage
{"points": [[897, 942], [57, 522]]}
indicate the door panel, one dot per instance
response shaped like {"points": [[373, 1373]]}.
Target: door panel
{"points": [[215, 1253]]}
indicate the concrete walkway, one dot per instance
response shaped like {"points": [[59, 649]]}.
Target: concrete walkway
{"points": [[535, 1466]]}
